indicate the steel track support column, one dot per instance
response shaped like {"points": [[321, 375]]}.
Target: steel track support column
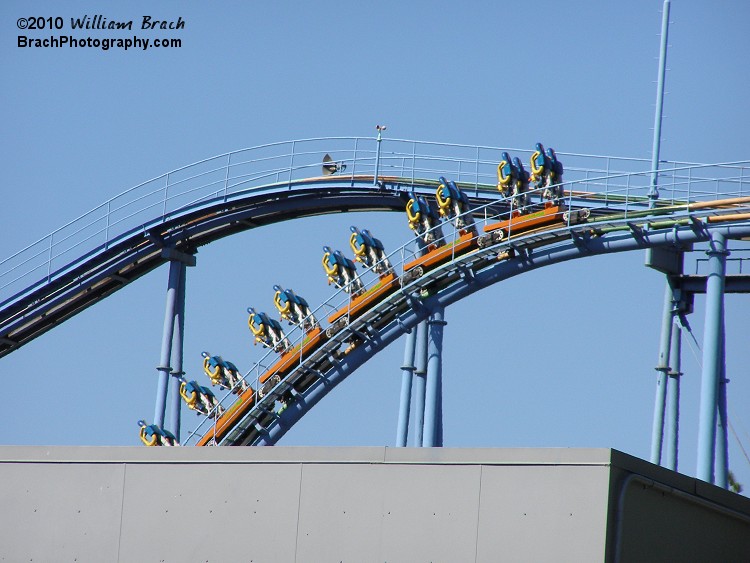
{"points": [[407, 373], [440, 409], [712, 335], [673, 388], [177, 371], [722, 440], [657, 432], [175, 270], [434, 376], [420, 382]]}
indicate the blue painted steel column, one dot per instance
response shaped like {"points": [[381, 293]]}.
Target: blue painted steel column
{"points": [[673, 415], [712, 334], [175, 269], [177, 372], [434, 374], [407, 372], [420, 382], [439, 421], [654, 191], [722, 440], [657, 432]]}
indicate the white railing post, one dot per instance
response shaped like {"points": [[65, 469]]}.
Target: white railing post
{"points": [[226, 176], [476, 175], [106, 231], [606, 184], [627, 195], [354, 160], [166, 190], [49, 258], [291, 163], [413, 160]]}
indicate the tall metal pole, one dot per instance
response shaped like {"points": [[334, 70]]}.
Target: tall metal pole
{"points": [[712, 336], [657, 432], [434, 371], [721, 477], [407, 373], [175, 269], [175, 403], [654, 191], [380, 129], [420, 382], [673, 415]]}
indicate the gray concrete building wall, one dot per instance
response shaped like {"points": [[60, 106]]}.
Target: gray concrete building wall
{"points": [[658, 515], [357, 504]]}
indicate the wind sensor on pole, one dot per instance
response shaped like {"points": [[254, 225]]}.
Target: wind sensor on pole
{"points": [[380, 129]]}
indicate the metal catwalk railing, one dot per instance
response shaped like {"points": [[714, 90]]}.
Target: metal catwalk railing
{"points": [[624, 202]]}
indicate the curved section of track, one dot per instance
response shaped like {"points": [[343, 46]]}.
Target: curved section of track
{"points": [[235, 196], [268, 430], [254, 419], [131, 234], [108, 268]]}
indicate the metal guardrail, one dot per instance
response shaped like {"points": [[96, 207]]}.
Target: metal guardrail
{"points": [[238, 173]]}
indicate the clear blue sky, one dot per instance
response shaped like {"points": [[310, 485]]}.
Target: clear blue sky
{"points": [[521, 368]]}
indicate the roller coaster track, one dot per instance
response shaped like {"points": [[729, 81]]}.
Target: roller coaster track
{"points": [[171, 216], [125, 237]]}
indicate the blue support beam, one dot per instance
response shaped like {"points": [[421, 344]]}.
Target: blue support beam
{"points": [[439, 422], [657, 431], [164, 368], [407, 373], [722, 439], [673, 414], [177, 341], [434, 376], [420, 381], [712, 345], [738, 283]]}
